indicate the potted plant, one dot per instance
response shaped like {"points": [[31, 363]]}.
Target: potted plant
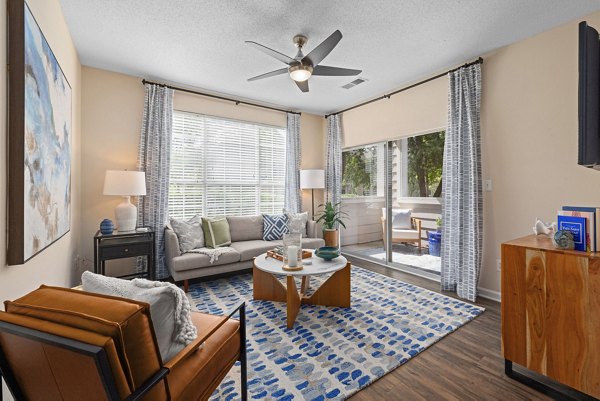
{"points": [[331, 216], [438, 223]]}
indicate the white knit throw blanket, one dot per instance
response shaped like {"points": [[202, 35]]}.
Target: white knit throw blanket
{"points": [[213, 254], [185, 331]]}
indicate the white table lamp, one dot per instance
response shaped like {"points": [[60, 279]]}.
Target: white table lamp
{"points": [[126, 184], [312, 179]]}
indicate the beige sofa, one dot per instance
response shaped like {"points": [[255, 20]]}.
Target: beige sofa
{"points": [[246, 239]]}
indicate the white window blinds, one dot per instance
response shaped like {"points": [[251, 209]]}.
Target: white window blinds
{"points": [[225, 167]]}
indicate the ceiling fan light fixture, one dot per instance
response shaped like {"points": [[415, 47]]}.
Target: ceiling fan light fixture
{"points": [[300, 73], [302, 67]]}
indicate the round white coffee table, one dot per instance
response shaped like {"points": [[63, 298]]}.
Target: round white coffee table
{"points": [[335, 291]]}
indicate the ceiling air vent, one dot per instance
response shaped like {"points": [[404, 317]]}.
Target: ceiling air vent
{"points": [[352, 84]]}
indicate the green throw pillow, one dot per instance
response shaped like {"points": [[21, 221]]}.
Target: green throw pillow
{"points": [[216, 232]]}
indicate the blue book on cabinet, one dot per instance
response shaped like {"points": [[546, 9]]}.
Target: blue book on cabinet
{"points": [[594, 224], [577, 226]]}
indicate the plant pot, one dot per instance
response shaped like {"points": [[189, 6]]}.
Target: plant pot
{"points": [[331, 237], [435, 242]]}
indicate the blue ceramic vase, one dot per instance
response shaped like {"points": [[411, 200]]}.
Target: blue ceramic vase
{"points": [[106, 227]]}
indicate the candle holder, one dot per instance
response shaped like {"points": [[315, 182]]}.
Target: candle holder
{"points": [[292, 251]]}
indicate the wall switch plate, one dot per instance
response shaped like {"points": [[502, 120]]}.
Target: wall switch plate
{"points": [[487, 185], [499, 264]]}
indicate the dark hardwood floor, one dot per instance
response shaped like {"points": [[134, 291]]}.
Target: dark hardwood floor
{"points": [[465, 365]]}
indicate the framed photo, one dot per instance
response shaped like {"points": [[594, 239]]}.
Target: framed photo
{"points": [[39, 140]]}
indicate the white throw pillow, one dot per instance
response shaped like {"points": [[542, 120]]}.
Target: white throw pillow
{"points": [[169, 308], [401, 219], [297, 223], [189, 233]]}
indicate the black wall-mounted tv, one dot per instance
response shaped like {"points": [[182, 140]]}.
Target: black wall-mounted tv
{"points": [[589, 96]]}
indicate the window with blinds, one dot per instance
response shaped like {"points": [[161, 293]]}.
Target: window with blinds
{"points": [[225, 167]]}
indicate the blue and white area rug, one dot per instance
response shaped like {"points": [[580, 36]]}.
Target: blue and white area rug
{"points": [[331, 353]]}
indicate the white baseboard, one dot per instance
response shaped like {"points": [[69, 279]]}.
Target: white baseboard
{"points": [[489, 294]]}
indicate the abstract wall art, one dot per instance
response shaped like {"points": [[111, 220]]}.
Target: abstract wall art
{"points": [[39, 159]]}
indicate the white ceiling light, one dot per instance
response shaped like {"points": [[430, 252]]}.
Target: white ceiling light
{"points": [[300, 73]]}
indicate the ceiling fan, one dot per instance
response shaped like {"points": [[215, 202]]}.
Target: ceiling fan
{"points": [[302, 67]]}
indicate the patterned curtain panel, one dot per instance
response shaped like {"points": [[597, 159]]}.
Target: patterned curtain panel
{"points": [[462, 206], [293, 200], [154, 156], [333, 163]]}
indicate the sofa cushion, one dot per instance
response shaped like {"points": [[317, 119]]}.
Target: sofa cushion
{"points": [[297, 223], [407, 234], [216, 232], [127, 321], [188, 379], [191, 261], [245, 228], [251, 249], [169, 308], [312, 243], [189, 233], [275, 225]]}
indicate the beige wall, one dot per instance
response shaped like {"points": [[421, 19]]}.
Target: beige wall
{"points": [[529, 134], [56, 265], [529, 131], [111, 116], [312, 138], [112, 107]]}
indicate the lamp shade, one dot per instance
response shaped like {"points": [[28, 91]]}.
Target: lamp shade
{"points": [[124, 183], [312, 179]]}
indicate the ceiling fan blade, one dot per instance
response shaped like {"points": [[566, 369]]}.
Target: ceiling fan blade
{"points": [[302, 85], [269, 74], [325, 47], [273, 53], [334, 71]]}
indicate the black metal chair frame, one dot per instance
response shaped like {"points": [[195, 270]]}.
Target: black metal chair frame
{"points": [[99, 356]]}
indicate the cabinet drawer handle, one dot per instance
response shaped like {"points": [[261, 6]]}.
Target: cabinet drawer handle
{"points": [[126, 249]]}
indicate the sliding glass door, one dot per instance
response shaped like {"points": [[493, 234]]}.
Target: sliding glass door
{"points": [[392, 192]]}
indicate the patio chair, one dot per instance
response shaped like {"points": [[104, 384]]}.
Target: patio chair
{"points": [[403, 233], [63, 344]]}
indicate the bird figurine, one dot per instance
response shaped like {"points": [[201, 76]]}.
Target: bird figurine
{"points": [[547, 229]]}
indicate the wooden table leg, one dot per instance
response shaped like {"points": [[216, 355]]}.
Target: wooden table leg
{"points": [[335, 291], [305, 285], [266, 287], [293, 301]]}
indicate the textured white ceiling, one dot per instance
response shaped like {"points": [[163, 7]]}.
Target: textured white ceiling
{"points": [[201, 43]]}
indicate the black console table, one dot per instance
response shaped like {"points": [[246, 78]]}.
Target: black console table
{"points": [[119, 245]]}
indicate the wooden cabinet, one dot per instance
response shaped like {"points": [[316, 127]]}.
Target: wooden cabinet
{"points": [[551, 311], [125, 245]]}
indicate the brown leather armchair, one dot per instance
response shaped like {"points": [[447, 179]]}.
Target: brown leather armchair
{"points": [[63, 344]]}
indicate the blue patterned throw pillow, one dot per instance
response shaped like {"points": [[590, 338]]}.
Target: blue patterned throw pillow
{"points": [[275, 225]]}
